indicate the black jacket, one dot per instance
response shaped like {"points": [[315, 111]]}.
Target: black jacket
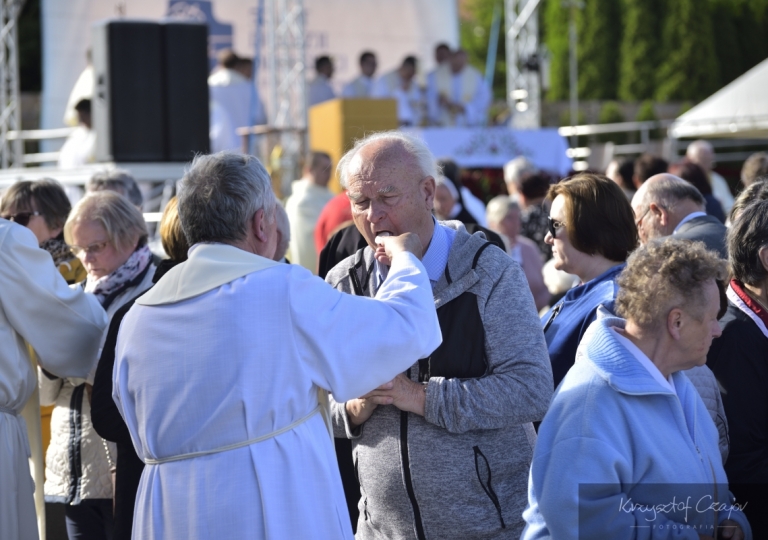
{"points": [[739, 359], [108, 423]]}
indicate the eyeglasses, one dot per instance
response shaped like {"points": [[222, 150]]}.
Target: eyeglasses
{"points": [[553, 226], [22, 218], [93, 249], [638, 221]]}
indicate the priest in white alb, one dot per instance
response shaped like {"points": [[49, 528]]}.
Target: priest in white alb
{"points": [[222, 369], [39, 312], [459, 96]]}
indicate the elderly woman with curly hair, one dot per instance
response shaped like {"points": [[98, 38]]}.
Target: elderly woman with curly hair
{"points": [[627, 448], [109, 236], [739, 359]]}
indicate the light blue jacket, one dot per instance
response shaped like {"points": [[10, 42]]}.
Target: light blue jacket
{"points": [[615, 439]]}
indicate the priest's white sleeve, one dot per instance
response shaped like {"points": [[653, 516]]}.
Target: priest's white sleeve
{"points": [[352, 344], [64, 325]]}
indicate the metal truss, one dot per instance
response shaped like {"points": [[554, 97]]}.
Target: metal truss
{"points": [[11, 150], [523, 63], [285, 60]]}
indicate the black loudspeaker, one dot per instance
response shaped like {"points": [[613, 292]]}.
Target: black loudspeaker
{"points": [[186, 89], [151, 90], [129, 106]]}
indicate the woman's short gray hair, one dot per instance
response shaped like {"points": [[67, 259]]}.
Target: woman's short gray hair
{"points": [[663, 274], [122, 221], [413, 145], [499, 207], [220, 193]]}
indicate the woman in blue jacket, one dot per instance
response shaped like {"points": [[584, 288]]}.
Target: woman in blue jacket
{"points": [[592, 232], [627, 449]]}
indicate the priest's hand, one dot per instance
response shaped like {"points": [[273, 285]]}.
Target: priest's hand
{"points": [[389, 246]]}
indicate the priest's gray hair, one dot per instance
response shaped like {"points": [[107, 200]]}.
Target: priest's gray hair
{"points": [[415, 146], [220, 193]]}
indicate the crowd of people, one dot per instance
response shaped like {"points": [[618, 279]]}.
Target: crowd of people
{"points": [[583, 359]]}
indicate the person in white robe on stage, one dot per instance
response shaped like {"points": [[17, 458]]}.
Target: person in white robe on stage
{"points": [[320, 89], [63, 326], [400, 85], [458, 97], [222, 369], [362, 86]]}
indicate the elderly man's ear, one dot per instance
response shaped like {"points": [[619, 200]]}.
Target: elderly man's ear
{"points": [[428, 187], [660, 214], [259, 227]]}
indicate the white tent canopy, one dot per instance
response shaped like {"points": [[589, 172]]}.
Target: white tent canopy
{"points": [[739, 109]]}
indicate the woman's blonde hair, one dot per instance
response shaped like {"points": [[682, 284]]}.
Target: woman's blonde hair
{"points": [[171, 234], [121, 220]]}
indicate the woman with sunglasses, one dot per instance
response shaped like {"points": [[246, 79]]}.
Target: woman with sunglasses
{"points": [[109, 236], [42, 207], [592, 231]]}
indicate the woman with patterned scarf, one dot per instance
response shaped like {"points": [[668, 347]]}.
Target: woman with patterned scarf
{"points": [[42, 206], [109, 236]]}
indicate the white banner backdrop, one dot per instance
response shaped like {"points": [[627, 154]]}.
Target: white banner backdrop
{"points": [[340, 28], [495, 146]]}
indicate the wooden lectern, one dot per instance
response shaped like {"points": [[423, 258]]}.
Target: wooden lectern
{"points": [[335, 125]]}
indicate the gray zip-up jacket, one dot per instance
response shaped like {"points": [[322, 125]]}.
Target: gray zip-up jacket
{"points": [[461, 471]]}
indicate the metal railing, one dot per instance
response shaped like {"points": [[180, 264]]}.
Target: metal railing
{"points": [[40, 135]]}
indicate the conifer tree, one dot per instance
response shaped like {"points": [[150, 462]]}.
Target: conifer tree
{"points": [[639, 49], [555, 26], [689, 67], [599, 37]]}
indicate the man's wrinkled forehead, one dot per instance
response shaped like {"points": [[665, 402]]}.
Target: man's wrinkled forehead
{"points": [[382, 162]]}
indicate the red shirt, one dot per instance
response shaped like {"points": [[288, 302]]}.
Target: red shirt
{"points": [[336, 214]]}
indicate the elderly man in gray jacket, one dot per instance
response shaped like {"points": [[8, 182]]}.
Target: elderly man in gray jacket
{"points": [[443, 450]]}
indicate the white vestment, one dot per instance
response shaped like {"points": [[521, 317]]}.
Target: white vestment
{"points": [[410, 103], [229, 347], [303, 207], [64, 326], [467, 88], [319, 90]]}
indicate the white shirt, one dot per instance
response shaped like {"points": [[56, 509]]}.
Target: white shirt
{"points": [[303, 207], [243, 360], [434, 260], [640, 356], [361, 87], [319, 90], [688, 218], [410, 103]]}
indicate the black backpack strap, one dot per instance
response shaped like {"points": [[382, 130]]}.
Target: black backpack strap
{"points": [[480, 252]]}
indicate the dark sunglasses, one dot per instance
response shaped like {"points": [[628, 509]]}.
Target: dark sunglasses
{"points": [[553, 226], [22, 218]]}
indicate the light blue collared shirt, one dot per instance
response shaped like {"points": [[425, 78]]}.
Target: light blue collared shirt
{"points": [[434, 260], [688, 218]]}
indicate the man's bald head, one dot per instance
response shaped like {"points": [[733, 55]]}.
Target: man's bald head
{"points": [[702, 154], [662, 202]]}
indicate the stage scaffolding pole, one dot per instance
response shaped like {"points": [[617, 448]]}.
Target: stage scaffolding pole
{"points": [[11, 149]]}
